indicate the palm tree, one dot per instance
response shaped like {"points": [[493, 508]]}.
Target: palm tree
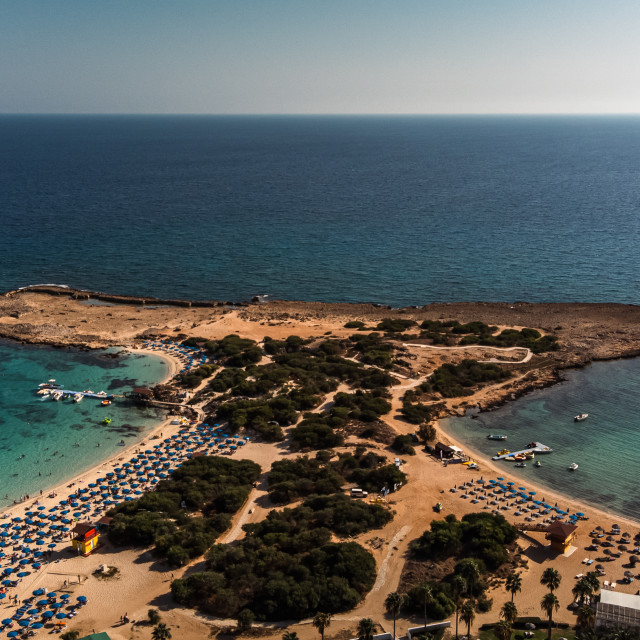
{"points": [[426, 592], [321, 621], [469, 570], [502, 630], [468, 613], [290, 635], [551, 579], [548, 604], [366, 629], [513, 584], [509, 612], [161, 632], [582, 590], [393, 602], [592, 578], [460, 588], [586, 617]]}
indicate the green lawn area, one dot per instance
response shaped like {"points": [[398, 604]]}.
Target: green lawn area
{"points": [[538, 634]]}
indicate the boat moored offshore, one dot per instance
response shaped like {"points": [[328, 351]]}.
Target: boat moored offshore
{"points": [[573, 466], [580, 417], [495, 436]]}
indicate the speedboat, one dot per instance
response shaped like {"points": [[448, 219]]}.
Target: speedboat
{"points": [[496, 437], [78, 397], [573, 466], [538, 463], [105, 403], [56, 395], [504, 452], [581, 417], [520, 464], [106, 421]]}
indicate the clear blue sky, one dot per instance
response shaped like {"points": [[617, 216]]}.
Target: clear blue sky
{"points": [[319, 56]]}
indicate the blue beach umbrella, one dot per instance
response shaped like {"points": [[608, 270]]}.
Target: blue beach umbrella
{"points": [[37, 625], [38, 592], [22, 574], [65, 596], [61, 615], [7, 621], [23, 623], [81, 598], [5, 583], [42, 603], [12, 634], [48, 614]]}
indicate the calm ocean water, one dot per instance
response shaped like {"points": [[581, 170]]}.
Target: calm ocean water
{"points": [[396, 210], [46, 432], [606, 446]]}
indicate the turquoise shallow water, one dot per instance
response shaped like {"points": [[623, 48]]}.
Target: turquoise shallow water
{"points": [[46, 431], [606, 446]]}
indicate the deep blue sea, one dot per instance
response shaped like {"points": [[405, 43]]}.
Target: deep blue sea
{"points": [[396, 210]]}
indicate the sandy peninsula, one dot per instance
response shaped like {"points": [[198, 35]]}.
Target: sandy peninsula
{"points": [[586, 332]]}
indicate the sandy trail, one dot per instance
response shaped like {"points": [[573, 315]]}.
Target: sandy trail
{"points": [[527, 357]]}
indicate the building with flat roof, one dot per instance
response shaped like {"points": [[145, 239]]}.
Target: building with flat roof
{"points": [[617, 609]]}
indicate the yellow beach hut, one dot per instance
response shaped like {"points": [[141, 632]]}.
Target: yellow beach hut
{"points": [[85, 538]]}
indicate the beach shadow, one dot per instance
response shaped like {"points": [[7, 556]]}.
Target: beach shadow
{"points": [[538, 553]]}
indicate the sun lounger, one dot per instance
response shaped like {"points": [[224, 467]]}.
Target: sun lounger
{"points": [[585, 561], [579, 575], [590, 562], [613, 585], [605, 584]]}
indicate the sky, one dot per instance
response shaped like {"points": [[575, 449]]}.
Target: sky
{"points": [[319, 56]]}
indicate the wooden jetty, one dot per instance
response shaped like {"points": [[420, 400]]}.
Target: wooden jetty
{"points": [[537, 447]]}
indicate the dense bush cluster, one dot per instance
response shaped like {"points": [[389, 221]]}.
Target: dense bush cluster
{"points": [[454, 380], [403, 445], [286, 567], [483, 536], [292, 479], [373, 348], [482, 334], [395, 325], [213, 486], [193, 378], [264, 416]]}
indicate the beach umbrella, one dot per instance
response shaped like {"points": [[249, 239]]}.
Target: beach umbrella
{"points": [[12, 634], [36, 565], [52, 545], [7, 621], [23, 623], [22, 574], [42, 603], [32, 611], [580, 514], [47, 614], [37, 625], [7, 570], [24, 561], [81, 598], [6, 583], [38, 592], [61, 615], [65, 596]]}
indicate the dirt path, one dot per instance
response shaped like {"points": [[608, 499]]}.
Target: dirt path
{"points": [[528, 356]]}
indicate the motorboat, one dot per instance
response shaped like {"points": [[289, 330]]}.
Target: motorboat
{"points": [[43, 392], [520, 465], [105, 403], [78, 397], [496, 437], [581, 417], [573, 466], [504, 452], [538, 463], [56, 395], [106, 421]]}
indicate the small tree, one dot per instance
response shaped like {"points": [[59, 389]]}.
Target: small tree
{"points": [[70, 635], [502, 630], [321, 621], [161, 632], [551, 579], [366, 629], [549, 604], [289, 635], [468, 614], [245, 619], [426, 432], [586, 617], [426, 594], [509, 612], [393, 602], [460, 589], [513, 584], [154, 617]]}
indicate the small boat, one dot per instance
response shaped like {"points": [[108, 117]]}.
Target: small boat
{"points": [[50, 385], [581, 417], [78, 397], [504, 452], [520, 465], [43, 392], [573, 466], [495, 436], [538, 463], [105, 403], [520, 457], [56, 395], [106, 421]]}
